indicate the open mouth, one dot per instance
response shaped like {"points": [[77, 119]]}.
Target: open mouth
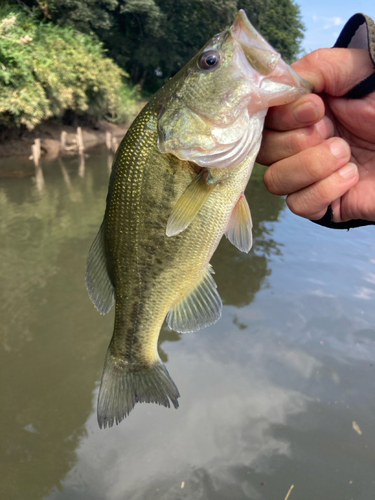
{"points": [[263, 58]]}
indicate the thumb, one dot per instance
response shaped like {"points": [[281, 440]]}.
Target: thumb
{"points": [[335, 71]]}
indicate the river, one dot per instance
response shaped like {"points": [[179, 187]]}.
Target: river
{"points": [[279, 392]]}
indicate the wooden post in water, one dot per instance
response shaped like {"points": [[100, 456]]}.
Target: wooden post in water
{"points": [[80, 145], [35, 150], [108, 140], [81, 151], [63, 140], [39, 179]]}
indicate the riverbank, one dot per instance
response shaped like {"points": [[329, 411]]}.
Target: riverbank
{"points": [[17, 142]]}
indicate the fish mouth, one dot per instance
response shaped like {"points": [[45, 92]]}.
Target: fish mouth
{"points": [[262, 57]]}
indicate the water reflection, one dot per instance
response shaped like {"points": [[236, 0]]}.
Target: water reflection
{"points": [[48, 336], [239, 276], [52, 345], [81, 168], [39, 178], [218, 436], [269, 393]]}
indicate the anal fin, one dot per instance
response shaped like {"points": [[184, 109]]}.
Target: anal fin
{"points": [[201, 307], [239, 230], [189, 204]]}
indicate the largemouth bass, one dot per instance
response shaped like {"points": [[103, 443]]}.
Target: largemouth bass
{"points": [[177, 185]]}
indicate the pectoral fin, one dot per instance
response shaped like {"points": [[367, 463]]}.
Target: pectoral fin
{"points": [[199, 308], [239, 230], [99, 286], [189, 204]]}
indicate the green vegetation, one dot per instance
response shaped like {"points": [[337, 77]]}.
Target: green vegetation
{"points": [[153, 39], [52, 51], [46, 70]]}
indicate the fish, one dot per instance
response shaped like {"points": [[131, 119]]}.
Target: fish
{"points": [[176, 187]]}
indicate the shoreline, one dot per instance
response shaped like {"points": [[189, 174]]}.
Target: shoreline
{"points": [[17, 143]]}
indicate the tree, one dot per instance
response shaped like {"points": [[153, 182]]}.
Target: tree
{"points": [[152, 39], [47, 70], [281, 25]]}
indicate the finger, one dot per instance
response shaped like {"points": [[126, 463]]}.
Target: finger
{"points": [[357, 116], [278, 145], [307, 167], [306, 111], [335, 71], [312, 202]]}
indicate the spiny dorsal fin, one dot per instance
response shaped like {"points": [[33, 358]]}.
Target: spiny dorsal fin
{"points": [[239, 231], [98, 283], [199, 308], [189, 204]]}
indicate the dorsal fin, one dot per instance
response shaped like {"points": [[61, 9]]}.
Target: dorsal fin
{"points": [[98, 283], [199, 308], [189, 204], [239, 230]]}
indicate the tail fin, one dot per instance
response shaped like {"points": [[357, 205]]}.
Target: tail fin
{"points": [[124, 384]]}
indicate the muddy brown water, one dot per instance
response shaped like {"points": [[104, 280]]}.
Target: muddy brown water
{"points": [[280, 392]]}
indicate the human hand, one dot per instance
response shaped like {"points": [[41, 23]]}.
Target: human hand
{"points": [[321, 148]]}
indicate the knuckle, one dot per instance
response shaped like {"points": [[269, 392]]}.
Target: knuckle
{"points": [[293, 202], [323, 193], [269, 151], [301, 139], [263, 156], [280, 118], [310, 138], [314, 170], [319, 163], [305, 204], [272, 181], [295, 142]]}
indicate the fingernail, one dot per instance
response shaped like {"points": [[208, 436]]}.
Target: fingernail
{"points": [[324, 127], [306, 112], [350, 170], [339, 148]]}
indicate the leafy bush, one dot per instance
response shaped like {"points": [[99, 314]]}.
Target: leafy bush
{"points": [[46, 70]]}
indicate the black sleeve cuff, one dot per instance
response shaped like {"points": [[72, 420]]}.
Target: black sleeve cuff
{"points": [[326, 221]]}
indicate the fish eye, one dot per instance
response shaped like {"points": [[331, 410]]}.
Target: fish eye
{"points": [[209, 59]]}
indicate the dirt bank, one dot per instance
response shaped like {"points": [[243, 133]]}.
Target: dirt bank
{"points": [[15, 142]]}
